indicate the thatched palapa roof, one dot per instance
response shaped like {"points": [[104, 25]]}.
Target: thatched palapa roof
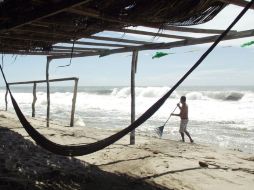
{"points": [[36, 26]]}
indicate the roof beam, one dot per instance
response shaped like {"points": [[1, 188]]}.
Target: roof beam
{"points": [[78, 48], [152, 34], [31, 53], [44, 12], [65, 35], [37, 39], [240, 3], [100, 44], [194, 30], [195, 41], [117, 40]]}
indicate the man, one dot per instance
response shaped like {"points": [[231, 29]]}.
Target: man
{"points": [[184, 118]]}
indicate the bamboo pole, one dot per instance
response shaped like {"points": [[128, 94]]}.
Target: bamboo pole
{"points": [[6, 102], [133, 72], [48, 90], [74, 102], [34, 100]]}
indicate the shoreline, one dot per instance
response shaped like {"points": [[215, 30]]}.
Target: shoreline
{"points": [[150, 164]]}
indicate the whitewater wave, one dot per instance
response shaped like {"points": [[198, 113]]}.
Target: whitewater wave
{"points": [[213, 112], [157, 92]]}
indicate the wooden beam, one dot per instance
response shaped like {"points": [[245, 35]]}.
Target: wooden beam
{"points": [[38, 14], [117, 40], [241, 3], [194, 30], [31, 53], [54, 40], [78, 48], [43, 81], [152, 34], [182, 43], [100, 44]]}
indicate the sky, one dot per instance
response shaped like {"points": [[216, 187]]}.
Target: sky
{"points": [[228, 65]]}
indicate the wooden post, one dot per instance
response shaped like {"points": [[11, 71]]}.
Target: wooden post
{"points": [[34, 100], [133, 71], [48, 90], [74, 102], [6, 102]]}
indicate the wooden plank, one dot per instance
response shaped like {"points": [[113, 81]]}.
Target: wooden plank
{"points": [[100, 44], [182, 43], [153, 34], [194, 30], [64, 35], [241, 3], [55, 40], [30, 53], [44, 12], [78, 48], [117, 40]]}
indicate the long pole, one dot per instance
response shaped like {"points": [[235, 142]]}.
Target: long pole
{"points": [[34, 99], [74, 102], [133, 72], [48, 90]]}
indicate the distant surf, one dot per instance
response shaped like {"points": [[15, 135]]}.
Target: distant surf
{"points": [[218, 115]]}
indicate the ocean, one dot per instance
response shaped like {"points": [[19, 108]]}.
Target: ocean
{"points": [[219, 116]]}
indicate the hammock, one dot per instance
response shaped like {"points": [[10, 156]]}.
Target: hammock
{"points": [[79, 150]]}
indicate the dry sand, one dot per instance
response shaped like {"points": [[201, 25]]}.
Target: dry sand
{"points": [[150, 164]]}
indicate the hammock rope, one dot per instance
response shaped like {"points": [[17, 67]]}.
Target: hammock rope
{"points": [[79, 150]]}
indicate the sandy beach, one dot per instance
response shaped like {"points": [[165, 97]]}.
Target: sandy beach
{"points": [[150, 164]]}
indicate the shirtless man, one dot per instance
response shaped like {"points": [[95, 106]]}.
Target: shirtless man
{"points": [[184, 118]]}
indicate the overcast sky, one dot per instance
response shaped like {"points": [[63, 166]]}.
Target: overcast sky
{"points": [[228, 64]]}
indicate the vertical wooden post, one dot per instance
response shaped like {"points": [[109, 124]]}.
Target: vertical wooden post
{"points": [[34, 100], [74, 102], [133, 71], [6, 102], [48, 90]]}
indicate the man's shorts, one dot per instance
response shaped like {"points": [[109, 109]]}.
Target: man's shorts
{"points": [[183, 125]]}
